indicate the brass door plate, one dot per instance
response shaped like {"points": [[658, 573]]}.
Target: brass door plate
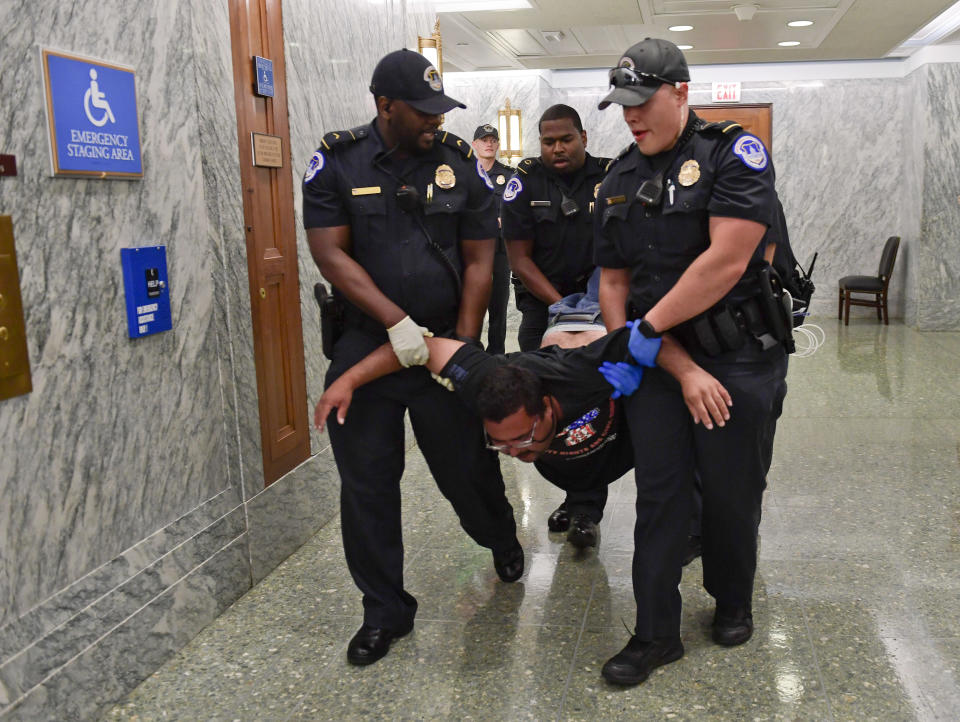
{"points": [[14, 360], [267, 150]]}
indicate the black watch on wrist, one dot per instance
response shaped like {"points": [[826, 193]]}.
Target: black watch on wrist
{"points": [[470, 340], [647, 330]]}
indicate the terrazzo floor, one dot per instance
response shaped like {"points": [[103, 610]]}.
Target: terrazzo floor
{"points": [[857, 601]]}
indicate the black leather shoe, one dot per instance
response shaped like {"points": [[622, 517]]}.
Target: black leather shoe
{"points": [[584, 532], [509, 563], [560, 519], [638, 659], [732, 625], [371, 643], [694, 549]]}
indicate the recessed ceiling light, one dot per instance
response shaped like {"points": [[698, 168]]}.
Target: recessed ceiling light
{"points": [[800, 23], [685, 47], [680, 28], [788, 43]]}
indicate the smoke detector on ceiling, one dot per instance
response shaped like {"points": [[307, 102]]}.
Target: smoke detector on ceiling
{"points": [[553, 36], [745, 12]]}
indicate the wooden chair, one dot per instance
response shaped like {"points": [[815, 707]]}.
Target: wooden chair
{"points": [[870, 285]]}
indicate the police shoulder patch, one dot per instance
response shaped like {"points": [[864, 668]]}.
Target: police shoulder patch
{"points": [[483, 175], [514, 186], [455, 142], [314, 166], [750, 149]]}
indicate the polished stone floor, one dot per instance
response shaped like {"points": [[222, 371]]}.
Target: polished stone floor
{"points": [[857, 599]]}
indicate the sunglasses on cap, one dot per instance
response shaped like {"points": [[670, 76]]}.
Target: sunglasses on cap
{"points": [[628, 77]]}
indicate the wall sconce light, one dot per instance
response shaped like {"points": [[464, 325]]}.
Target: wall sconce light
{"points": [[432, 48], [511, 133]]}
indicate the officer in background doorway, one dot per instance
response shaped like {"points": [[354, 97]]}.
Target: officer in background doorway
{"points": [[680, 222], [399, 219], [486, 145], [547, 224]]}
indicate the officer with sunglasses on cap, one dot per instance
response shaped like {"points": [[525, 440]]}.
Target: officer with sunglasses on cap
{"points": [[679, 223], [400, 218]]}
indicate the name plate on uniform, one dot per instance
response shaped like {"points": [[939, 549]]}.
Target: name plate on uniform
{"points": [[267, 150]]}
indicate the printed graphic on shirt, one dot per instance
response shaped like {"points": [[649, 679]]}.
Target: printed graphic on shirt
{"points": [[313, 167], [483, 175], [587, 435], [750, 150], [514, 186]]}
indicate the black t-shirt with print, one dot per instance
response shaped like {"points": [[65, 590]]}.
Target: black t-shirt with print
{"points": [[592, 446]]}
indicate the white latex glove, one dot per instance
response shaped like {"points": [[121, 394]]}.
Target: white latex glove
{"points": [[406, 337]]}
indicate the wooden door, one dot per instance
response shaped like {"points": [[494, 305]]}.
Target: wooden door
{"points": [[756, 118], [256, 28]]}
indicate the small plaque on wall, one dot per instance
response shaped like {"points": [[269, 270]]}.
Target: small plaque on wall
{"points": [[267, 150]]}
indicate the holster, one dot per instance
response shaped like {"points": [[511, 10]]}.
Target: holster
{"points": [[331, 318]]}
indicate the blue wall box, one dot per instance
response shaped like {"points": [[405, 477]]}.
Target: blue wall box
{"points": [[147, 290]]}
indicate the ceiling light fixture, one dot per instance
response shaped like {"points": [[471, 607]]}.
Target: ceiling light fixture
{"points": [[685, 47], [788, 43], [680, 28], [800, 23], [745, 12], [553, 36], [470, 6]]}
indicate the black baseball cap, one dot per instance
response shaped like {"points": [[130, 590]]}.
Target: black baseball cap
{"points": [[410, 77], [483, 131], [653, 62]]}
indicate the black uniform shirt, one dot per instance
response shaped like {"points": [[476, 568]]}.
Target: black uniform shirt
{"points": [[499, 174], [592, 439], [562, 246], [354, 182], [715, 173]]}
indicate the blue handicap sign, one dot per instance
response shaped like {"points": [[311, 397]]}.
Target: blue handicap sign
{"points": [[264, 70], [92, 108]]}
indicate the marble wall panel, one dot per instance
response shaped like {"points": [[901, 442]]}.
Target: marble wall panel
{"points": [[914, 138], [102, 673], [938, 271], [117, 438]]}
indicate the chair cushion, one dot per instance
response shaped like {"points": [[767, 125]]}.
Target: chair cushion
{"points": [[861, 283]]}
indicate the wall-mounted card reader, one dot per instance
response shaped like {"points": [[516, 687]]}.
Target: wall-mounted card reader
{"points": [[147, 290]]}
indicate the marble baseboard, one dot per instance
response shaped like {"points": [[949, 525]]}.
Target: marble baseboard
{"points": [[288, 512], [104, 672], [44, 651]]}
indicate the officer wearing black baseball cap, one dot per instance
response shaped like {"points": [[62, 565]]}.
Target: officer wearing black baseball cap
{"points": [[643, 69], [682, 217], [410, 77], [486, 143], [401, 220]]}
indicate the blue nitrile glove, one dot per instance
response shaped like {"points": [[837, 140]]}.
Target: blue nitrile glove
{"points": [[624, 377], [644, 343]]}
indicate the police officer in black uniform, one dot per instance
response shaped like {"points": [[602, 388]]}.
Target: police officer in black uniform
{"points": [[486, 143], [547, 224], [398, 218], [680, 221]]}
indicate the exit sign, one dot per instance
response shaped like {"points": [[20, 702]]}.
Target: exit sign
{"points": [[726, 92]]}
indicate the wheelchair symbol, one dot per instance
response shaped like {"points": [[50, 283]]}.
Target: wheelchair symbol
{"points": [[96, 98]]}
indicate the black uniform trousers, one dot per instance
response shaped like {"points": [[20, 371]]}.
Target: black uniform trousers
{"points": [[369, 451], [533, 324], [732, 463], [499, 298]]}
